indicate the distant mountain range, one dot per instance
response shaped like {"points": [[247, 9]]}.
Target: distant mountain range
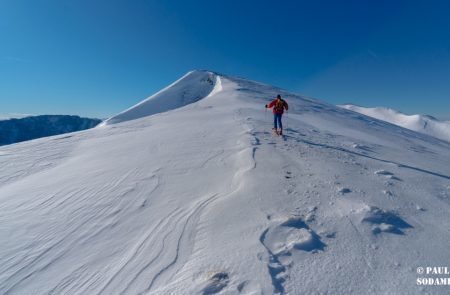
{"points": [[420, 123], [17, 130], [8, 116]]}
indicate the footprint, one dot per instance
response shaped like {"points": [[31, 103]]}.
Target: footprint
{"points": [[387, 174], [330, 235], [300, 236], [281, 240], [393, 177], [385, 221], [383, 172], [344, 191]]}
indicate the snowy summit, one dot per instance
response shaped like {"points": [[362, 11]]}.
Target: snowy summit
{"points": [[188, 192]]}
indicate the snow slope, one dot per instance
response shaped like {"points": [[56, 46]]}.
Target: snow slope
{"points": [[190, 88], [202, 199], [420, 123]]}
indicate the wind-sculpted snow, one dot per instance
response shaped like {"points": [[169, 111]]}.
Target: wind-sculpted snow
{"points": [[203, 199]]}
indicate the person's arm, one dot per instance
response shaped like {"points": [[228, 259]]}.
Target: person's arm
{"points": [[286, 106], [271, 104]]}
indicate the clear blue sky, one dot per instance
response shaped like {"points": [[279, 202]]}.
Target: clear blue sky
{"points": [[98, 57]]}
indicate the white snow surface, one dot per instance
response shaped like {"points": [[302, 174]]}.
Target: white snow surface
{"points": [[420, 123], [190, 88], [203, 199]]}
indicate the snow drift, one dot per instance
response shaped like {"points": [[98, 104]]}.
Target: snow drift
{"points": [[420, 123], [202, 199]]}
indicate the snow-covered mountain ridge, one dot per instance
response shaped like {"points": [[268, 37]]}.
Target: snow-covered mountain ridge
{"points": [[190, 88], [200, 198], [420, 123]]}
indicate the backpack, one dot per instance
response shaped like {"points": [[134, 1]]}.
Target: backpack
{"points": [[279, 106]]}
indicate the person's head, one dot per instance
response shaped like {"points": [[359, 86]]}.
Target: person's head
{"points": [[278, 96]]}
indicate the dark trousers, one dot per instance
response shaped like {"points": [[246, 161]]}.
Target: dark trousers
{"points": [[277, 119]]}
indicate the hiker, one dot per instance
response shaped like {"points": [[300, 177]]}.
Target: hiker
{"points": [[279, 105]]}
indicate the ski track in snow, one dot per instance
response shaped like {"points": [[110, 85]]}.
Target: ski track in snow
{"points": [[203, 199]]}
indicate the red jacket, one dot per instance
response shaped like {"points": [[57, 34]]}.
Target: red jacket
{"points": [[278, 110]]}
